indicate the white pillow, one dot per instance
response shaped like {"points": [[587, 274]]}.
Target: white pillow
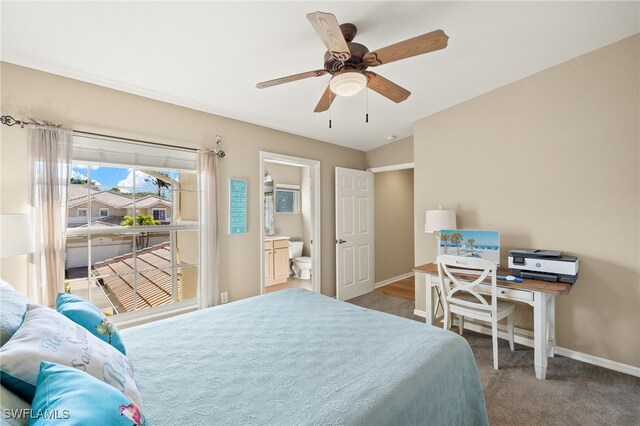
{"points": [[13, 305], [46, 335]]}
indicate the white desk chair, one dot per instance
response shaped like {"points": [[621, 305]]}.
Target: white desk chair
{"points": [[461, 297]]}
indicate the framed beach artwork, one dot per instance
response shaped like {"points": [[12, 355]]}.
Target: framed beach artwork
{"points": [[237, 206], [471, 243]]}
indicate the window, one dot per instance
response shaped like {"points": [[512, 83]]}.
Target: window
{"points": [[126, 261], [82, 212], [287, 198], [159, 214]]}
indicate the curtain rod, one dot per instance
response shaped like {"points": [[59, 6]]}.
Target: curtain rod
{"points": [[10, 121]]}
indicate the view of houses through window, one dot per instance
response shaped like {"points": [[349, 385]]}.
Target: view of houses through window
{"points": [[132, 236]]}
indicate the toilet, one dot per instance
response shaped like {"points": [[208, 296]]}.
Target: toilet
{"points": [[300, 265]]}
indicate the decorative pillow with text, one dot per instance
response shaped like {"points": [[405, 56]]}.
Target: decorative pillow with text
{"points": [[46, 335]]}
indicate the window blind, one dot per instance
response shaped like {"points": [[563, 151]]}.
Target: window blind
{"points": [[92, 149]]}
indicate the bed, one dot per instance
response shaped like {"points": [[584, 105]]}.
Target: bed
{"points": [[295, 357]]}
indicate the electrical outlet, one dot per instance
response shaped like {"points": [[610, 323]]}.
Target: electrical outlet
{"points": [[224, 297]]}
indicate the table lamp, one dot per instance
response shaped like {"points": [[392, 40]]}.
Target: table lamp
{"points": [[16, 235], [437, 220]]}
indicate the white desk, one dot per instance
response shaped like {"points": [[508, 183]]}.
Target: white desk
{"points": [[539, 294]]}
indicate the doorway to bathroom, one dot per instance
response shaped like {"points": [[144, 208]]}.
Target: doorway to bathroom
{"points": [[289, 223]]}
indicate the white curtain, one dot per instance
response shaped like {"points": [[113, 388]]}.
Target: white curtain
{"points": [[50, 162], [207, 185]]}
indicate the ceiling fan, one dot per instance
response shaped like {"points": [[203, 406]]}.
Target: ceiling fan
{"points": [[347, 62]]}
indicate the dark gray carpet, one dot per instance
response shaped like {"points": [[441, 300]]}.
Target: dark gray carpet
{"points": [[575, 393]]}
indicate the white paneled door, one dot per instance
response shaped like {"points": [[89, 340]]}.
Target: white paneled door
{"points": [[354, 233]]}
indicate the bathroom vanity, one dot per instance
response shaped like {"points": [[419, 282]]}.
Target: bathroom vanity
{"points": [[276, 260]]}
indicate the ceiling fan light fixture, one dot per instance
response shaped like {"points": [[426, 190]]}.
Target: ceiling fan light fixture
{"points": [[348, 83]]}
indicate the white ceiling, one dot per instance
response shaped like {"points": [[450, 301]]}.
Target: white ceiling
{"points": [[209, 55]]}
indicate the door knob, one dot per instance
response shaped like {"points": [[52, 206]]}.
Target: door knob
{"points": [[340, 241]]}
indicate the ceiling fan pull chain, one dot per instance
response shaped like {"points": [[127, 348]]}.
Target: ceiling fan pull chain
{"points": [[330, 94], [366, 97]]}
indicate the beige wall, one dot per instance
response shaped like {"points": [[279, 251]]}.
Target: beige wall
{"points": [[393, 210], [552, 161], [289, 225], [398, 152], [82, 106]]}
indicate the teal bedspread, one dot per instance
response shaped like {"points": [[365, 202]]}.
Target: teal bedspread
{"points": [[294, 357]]}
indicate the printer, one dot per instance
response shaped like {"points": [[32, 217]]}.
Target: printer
{"points": [[545, 265]]}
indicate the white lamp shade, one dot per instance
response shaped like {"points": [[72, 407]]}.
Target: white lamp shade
{"points": [[16, 235], [437, 220], [348, 83]]}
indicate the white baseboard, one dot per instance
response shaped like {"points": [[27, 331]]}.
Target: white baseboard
{"points": [[525, 337], [601, 362], [394, 279]]}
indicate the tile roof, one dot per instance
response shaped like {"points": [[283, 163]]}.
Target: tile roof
{"points": [[102, 222], [78, 194], [112, 199], [149, 201], [153, 286]]}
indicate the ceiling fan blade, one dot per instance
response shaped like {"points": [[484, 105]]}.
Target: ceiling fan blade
{"points": [[386, 88], [327, 27], [290, 78], [326, 100], [425, 43]]}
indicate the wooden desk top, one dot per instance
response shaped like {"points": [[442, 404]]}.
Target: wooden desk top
{"points": [[556, 289]]}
